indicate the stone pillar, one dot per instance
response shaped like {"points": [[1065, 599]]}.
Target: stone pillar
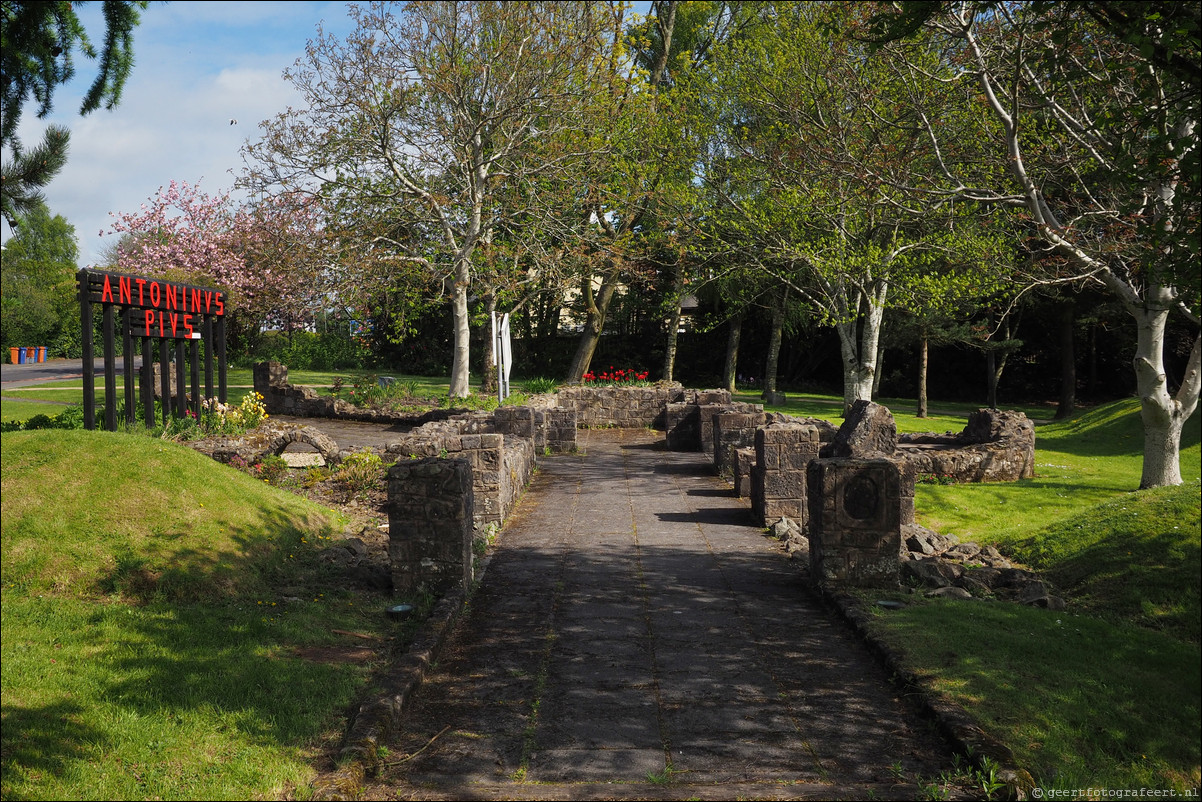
{"points": [[515, 421], [783, 451], [705, 425], [855, 521], [156, 379], [744, 465], [269, 375], [682, 425], [483, 452], [430, 505], [561, 430], [732, 431]]}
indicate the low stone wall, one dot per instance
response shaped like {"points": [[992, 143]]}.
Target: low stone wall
{"points": [[682, 419], [744, 467], [995, 446], [706, 414], [282, 398], [619, 407], [501, 465], [732, 431], [270, 439]]}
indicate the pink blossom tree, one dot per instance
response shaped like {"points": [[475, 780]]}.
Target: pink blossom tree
{"points": [[266, 256]]}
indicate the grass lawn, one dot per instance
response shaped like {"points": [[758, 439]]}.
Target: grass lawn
{"points": [[17, 403], [154, 642]]}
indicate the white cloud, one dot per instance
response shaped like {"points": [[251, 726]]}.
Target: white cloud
{"points": [[197, 66]]}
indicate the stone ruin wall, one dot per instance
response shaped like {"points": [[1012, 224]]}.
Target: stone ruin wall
{"points": [[501, 465], [619, 407], [788, 466], [995, 446], [283, 398], [430, 502]]}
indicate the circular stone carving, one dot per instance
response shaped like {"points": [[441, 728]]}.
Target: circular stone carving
{"points": [[861, 498]]}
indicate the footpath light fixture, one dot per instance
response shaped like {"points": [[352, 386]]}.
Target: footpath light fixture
{"points": [[154, 312]]}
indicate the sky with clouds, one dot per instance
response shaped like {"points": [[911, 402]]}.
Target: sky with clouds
{"points": [[197, 65]]}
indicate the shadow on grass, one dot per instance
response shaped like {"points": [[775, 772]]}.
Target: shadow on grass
{"points": [[1144, 587], [1045, 683], [1110, 430], [267, 554], [46, 740]]}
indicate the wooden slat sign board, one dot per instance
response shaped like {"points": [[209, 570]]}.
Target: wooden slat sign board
{"points": [[153, 314]]}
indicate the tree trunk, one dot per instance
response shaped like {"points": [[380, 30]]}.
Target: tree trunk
{"points": [[922, 376], [773, 361], [1068, 364], [461, 334], [670, 346], [489, 384], [673, 327], [1163, 415], [993, 373], [860, 352], [993, 365], [732, 352], [1091, 378], [597, 306]]}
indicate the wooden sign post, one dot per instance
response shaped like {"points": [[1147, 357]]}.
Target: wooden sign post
{"points": [[153, 312]]}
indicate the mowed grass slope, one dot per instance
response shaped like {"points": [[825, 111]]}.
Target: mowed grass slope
{"points": [[161, 616], [1105, 694]]}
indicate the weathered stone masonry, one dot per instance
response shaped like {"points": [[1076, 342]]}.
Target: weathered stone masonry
{"points": [[851, 490], [778, 476], [430, 524]]}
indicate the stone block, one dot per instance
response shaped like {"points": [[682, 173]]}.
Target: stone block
{"points": [[682, 425], [744, 465], [868, 431], [431, 506], [732, 431], [855, 521], [783, 449]]}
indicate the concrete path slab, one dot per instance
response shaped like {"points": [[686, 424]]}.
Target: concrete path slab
{"points": [[636, 637]]}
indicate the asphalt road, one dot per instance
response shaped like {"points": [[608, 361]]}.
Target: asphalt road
{"points": [[53, 370]]}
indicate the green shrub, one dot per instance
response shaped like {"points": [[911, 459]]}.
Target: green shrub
{"points": [[305, 350], [540, 384], [272, 469], [360, 473], [70, 418]]}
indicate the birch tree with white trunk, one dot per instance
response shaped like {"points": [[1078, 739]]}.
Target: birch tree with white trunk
{"points": [[1089, 128], [415, 124], [814, 132]]}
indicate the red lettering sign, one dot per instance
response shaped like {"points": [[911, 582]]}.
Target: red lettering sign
{"points": [[155, 294], [107, 294], [125, 290]]}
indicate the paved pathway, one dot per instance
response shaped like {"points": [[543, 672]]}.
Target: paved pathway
{"points": [[634, 637]]}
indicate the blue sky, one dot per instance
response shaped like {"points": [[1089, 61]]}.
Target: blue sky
{"points": [[197, 66]]}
